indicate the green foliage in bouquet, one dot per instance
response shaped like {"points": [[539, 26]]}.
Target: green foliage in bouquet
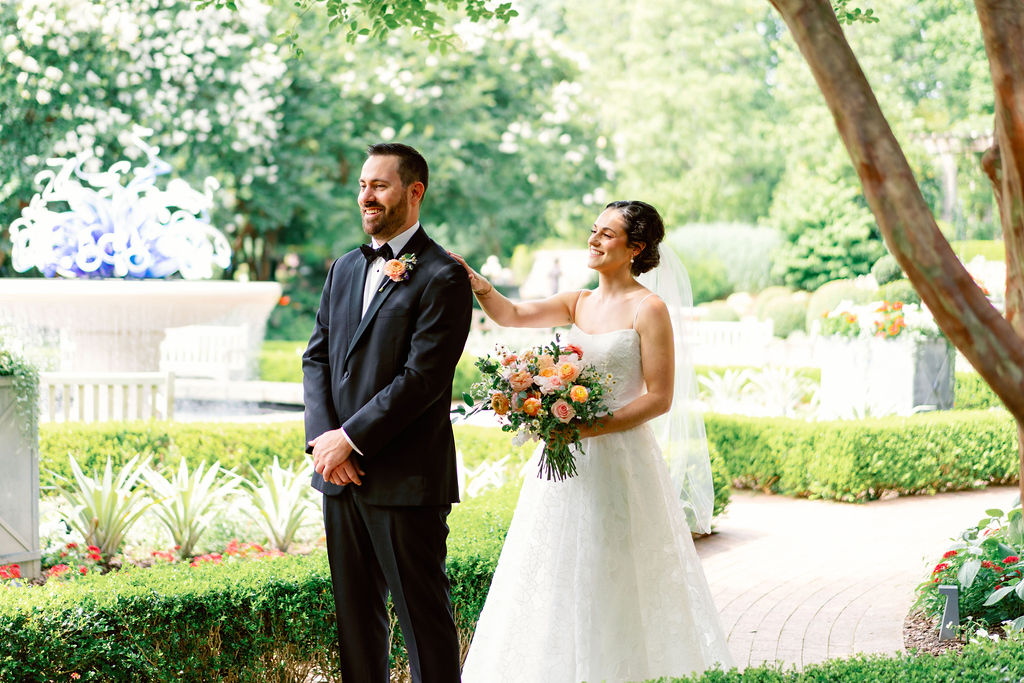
{"points": [[985, 563], [546, 392]]}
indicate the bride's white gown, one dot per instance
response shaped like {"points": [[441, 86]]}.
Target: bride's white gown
{"points": [[598, 579]]}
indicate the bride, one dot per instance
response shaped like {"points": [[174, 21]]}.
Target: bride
{"points": [[598, 579]]}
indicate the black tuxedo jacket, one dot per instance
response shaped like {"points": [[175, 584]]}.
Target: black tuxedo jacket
{"points": [[386, 376]]}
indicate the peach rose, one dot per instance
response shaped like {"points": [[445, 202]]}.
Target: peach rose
{"points": [[568, 372], [500, 404], [548, 380], [532, 406], [545, 361], [521, 380], [562, 411], [395, 270], [579, 394]]}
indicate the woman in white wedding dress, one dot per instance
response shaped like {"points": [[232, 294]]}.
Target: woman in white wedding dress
{"points": [[598, 579]]}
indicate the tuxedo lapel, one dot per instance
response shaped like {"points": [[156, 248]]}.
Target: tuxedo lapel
{"points": [[414, 247], [355, 301]]}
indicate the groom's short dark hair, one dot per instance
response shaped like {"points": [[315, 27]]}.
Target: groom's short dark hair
{"points": [[412, 167]]}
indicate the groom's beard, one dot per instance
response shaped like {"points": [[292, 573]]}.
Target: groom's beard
{"points": [[387, 223]]}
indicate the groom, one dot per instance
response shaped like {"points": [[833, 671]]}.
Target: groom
{"points": [[377, 380]]}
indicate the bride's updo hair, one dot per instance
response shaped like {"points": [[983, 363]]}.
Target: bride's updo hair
{"points": [[643, 226]]}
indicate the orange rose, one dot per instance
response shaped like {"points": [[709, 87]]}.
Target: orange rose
{"points": [[395, 269], [579, 393], [545, 361], [509, 360], [532, 406], [500, 404], [549, 371], [568, 372], [521, 381], [572, 348]]}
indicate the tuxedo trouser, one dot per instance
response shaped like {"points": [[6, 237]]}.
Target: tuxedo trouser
{"points": [[375, 549]]}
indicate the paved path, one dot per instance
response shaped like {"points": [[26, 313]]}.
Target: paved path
{"points": [[800, 581]]}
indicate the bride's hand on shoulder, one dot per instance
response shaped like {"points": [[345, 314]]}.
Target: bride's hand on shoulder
{"points": [[477, 282]]}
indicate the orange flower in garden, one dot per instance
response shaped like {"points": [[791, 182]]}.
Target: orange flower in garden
{"points": [[532, 406], [500, 404], [897, 305], [284, 300], [75, 675], [579, 394]]}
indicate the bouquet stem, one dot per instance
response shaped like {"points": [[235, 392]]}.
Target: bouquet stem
{"points": [[557, 462]]}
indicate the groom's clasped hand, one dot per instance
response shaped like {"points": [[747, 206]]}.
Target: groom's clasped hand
{"points": [[332, 459]]}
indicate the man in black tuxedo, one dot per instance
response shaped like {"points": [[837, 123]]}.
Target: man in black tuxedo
{"points": [[377, 380]]}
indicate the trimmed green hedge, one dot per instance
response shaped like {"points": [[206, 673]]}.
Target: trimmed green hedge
{"points": [[860, 460], [972, 392], [245, 621], [987, 662], [281, 361], [233, 444]]}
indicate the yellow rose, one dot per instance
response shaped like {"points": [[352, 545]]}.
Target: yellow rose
{"points": [[579, 393]]}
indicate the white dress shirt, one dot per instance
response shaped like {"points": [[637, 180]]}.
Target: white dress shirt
{"points": [[375, 273], [374, 277]]}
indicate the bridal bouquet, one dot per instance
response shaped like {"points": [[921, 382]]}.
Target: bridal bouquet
{"points": [[545, 393]]}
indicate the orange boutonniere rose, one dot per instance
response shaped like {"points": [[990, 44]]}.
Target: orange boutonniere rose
{"points": [[398, 269]]}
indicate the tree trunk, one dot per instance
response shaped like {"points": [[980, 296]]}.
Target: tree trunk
{"points": [[961, 310], [1002, 28]]}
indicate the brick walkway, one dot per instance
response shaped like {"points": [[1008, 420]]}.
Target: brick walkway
{"points": [[800, 581]]}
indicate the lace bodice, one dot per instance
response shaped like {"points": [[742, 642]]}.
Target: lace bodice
{"points": [[616, 353]]}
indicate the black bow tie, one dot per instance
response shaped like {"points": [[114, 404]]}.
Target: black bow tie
{"points": [[372, 254]]}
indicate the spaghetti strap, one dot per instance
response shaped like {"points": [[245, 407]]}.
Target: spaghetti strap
{"points": [[637, 314]]}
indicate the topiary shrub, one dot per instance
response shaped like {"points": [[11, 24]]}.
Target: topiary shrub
{"points": [[831, 294], [899, 290], [972, 392], [886, 269], [788, 313], [718, 311]]}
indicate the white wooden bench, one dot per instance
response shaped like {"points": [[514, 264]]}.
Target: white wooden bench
{"points": [[99, 397], [219, 352]]}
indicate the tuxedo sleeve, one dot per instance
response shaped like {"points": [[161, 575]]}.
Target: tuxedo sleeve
{"points": [[436, 345], [320, 415]]}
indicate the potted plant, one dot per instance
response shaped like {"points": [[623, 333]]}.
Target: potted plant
{"points": [[19, 462], [884, 358]]}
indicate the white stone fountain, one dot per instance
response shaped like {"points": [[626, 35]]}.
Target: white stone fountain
{"points": [[104, 305]]}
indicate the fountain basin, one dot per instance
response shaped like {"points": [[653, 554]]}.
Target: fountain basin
{"points": [[118, 325]]}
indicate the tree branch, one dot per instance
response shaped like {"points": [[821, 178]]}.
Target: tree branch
{"points": [[960, 308]]}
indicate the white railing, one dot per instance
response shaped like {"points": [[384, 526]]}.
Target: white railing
{"points": [[729, 343], [99, 397]]}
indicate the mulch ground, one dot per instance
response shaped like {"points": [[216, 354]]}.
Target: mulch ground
{"points": [[921, 633]]}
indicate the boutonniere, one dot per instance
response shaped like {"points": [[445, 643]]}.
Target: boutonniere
{"points": [[398, 269]]}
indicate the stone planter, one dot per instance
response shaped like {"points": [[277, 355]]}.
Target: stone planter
{"points": [[869, 377], [19, 488]]}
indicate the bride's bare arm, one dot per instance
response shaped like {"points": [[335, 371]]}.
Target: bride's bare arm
{"points": [[657, 356], [551, 312]]}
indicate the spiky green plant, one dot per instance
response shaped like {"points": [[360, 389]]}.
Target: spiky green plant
{"points": [[188, 501], [105, 507], [280, 501]]}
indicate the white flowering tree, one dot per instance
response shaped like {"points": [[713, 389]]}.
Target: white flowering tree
{"points": [[285, 134], [79, 76]]}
